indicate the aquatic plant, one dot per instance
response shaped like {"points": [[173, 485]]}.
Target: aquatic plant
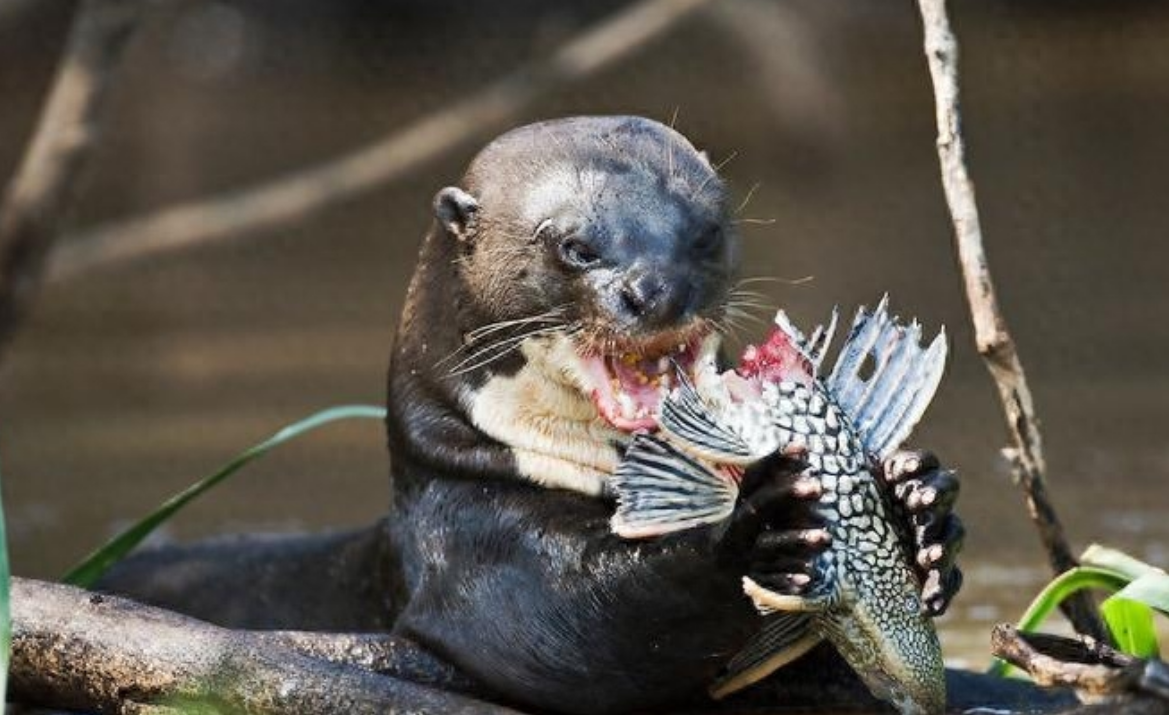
{"points": [[90, 569], [1138, 591]]}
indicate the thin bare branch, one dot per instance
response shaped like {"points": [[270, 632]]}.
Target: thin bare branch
{"points": [[990, 330], [245, 213], [47, 183], [78, 650], [1093, 669]]}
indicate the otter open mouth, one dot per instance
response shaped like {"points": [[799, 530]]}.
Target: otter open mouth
{"points": [[627, 387]]}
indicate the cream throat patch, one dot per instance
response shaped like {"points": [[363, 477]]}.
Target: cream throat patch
{"points": [[544, 412]]}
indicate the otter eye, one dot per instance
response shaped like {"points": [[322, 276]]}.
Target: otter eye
{"points": [[576, 253], [709, 241]]}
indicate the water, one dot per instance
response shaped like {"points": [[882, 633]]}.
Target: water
{"points": [[130, 383]]}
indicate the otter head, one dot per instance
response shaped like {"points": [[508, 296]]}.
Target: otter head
{"points": [[598, 248]]}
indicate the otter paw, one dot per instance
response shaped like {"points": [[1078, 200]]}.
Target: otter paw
{"points": [[924, 495], [774, 529], [781, 561]]}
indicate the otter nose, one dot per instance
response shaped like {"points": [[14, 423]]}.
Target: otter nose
{"points": [[653, 299]]}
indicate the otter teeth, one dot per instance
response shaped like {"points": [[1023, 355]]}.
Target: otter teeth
{"points": [[629, 409]]}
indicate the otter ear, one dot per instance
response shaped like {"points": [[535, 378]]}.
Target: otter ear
{"points": [[455, 209]]}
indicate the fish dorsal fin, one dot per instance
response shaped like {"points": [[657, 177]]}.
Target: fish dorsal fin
{"points": [[687, 418], [811, 349], [886, 405], [820, 340], [660, 489], [783, 638]]}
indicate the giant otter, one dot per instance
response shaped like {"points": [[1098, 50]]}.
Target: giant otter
{"points": [[574, 266]]}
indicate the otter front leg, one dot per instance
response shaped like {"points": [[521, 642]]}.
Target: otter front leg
{"points": [[528, 592], [924, 494]]}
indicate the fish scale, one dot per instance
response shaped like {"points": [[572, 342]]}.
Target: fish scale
{"points": [[864, 596]]}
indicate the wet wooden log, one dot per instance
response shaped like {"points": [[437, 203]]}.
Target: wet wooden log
{"points": [[78, 650]]}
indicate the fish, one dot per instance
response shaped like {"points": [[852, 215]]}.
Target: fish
{"points": [[864, 595]]}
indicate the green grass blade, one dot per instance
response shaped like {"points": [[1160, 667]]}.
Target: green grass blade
{"points": [[86, 573], [1054, 593], [1131, 626], [5, 609]]}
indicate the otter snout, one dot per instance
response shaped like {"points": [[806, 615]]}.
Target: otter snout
{"points": [[654, 299]]}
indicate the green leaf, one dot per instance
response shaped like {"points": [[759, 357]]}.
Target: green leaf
{"points": [[1152, 589], [86, 573], [1131, 626], [1064, 585], [1115, 560]]}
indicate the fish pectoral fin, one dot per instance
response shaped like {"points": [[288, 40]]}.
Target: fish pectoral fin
{"points": [[660, 489], [783, 638], [768, 601], [687, 419]]}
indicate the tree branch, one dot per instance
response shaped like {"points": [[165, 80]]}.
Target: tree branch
{"points": [[47, 183], [990, 330], [78, 650], [1095, 670], [300, 194]]}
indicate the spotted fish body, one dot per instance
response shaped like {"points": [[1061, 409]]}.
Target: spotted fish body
{"points": [[864, 596]]}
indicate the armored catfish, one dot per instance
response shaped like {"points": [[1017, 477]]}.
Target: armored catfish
{"points": [[864, 595]]}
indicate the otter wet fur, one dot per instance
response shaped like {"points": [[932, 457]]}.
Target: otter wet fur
{"points": [[865, 597], [577, 263]]}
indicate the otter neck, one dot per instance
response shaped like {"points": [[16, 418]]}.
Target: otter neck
{"points": [[523, 417]]}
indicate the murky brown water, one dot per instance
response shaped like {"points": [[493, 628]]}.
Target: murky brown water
{"points": [[132, 382]]}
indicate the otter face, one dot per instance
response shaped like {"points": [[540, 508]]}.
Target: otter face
{"points": [[608, 232]]}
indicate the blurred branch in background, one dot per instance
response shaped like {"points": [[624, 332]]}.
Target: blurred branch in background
{"points": [[291, 198], [48, 181], [13, 10], [790, 60], [990, 329]]}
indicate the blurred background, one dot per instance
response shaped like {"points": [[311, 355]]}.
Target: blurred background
{"points": [[133, 379]]}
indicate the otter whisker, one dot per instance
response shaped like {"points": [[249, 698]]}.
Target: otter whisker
{"points": [[737, 313], [758, 279], [775, 279], [742, 293], [506, 341], [747, 199], [496, 351], [745, 304], [730, 157], [759, 221], [472, 337], [490, 328], [726, 327], [713, 175]]}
